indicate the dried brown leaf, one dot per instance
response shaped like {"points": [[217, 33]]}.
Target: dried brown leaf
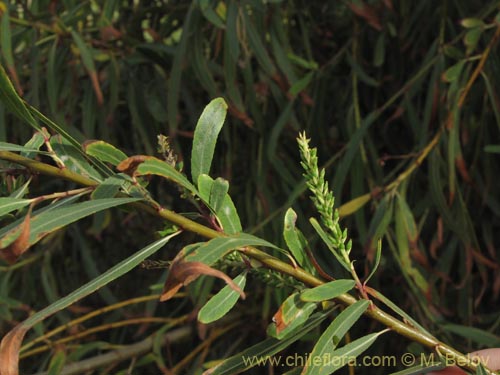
{"points": [[182, 273], [22, 243], [129, 165], [9, 350], [368, 13]]}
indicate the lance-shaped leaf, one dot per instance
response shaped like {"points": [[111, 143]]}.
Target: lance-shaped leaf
{"points": [[348, 353], [213, 250], [4, 146], [214, 194], [11, 204], [140, 165], [52, 219], [9, 347], [292, 314], [295, 240], [88, 62], [109, 187], [104, 152], [182, 273], [239, 362], [205, 136], [221, 303], [327, 291], [12, 100], [334, 333]]}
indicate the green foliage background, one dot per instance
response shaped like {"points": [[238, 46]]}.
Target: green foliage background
{"points": [[373, 83]]}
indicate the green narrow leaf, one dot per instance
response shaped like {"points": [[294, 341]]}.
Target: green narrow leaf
{"points": [[57, 363], [85, 52], [294, 239], [334, 333], [158, 167], [218, 192], [11, 204], [213, 250], [471, 39], [258, 48], [210, 14], [292, 313], [53, 219], [378, 256], [477, 335], [380, 221], [350, 351], [14, 338], [472, 23], [13, 102], [494, 149], [386, 301], [205, 136], [221, 303], [104, 152], [6, 39], [327, 291], [421, 369], [226, 212], [4, 146], [252, 357], [109, 187], [326, 240], [301, 84], [35, 142]]}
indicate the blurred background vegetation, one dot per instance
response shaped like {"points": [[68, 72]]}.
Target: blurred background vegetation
{"points": [[374, 83]]}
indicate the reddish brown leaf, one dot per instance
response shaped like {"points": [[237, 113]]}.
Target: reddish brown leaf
{"points": [[22, 243], [462, 169], [368, 13], [129, 165], [9, 350], [240, 115], [182, 273], [279, 321], [109, 33], [97, 87]]}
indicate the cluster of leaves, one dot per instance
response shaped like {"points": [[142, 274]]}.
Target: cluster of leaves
{"points": [[406, 109]]}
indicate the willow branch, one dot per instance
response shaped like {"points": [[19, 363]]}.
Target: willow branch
{"points": [[267, 260]]}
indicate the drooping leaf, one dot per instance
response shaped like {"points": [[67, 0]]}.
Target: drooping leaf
{"points": [[104, 152], [221, 303], [9, 347], [327, 291], [182, 273], [16, 242], [205, 136]]}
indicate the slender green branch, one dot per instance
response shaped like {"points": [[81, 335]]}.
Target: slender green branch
{"points": [[267, 260]]}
